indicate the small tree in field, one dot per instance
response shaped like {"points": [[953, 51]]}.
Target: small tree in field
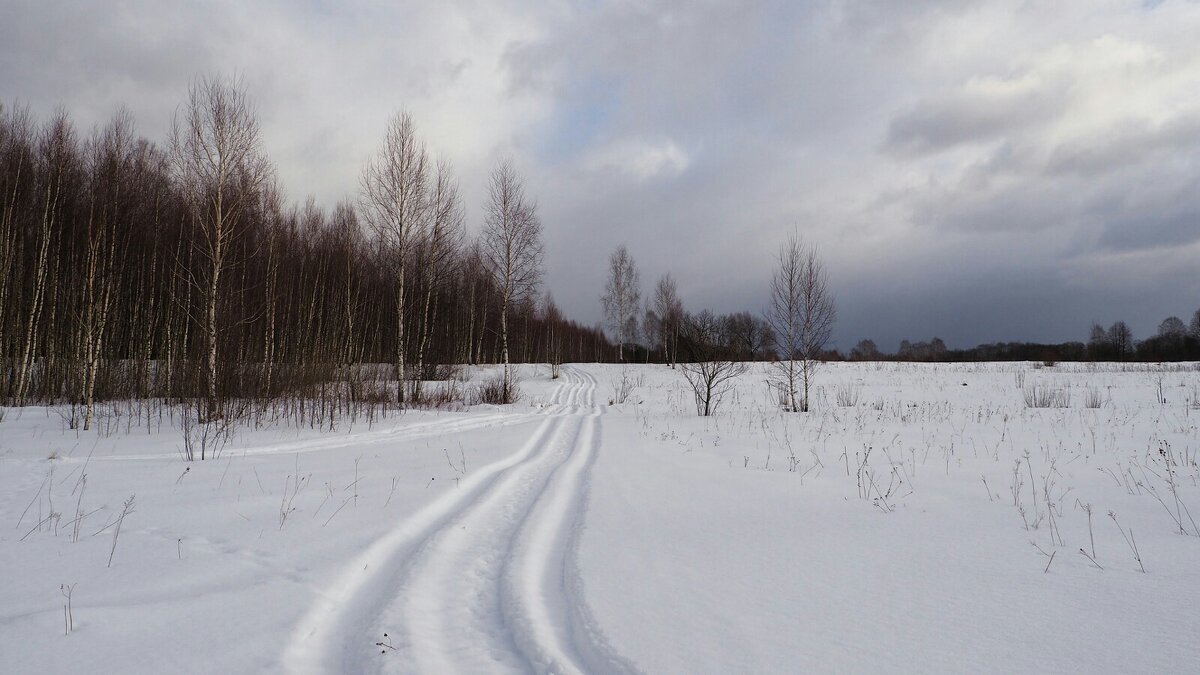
{"points": [[708, 368], [669, 310], [801, 315], [621, 298]]}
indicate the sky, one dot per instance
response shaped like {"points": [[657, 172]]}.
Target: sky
{"points": [[977, 170]]}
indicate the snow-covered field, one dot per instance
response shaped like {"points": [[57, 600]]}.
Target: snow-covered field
{"points": [[936, 523]]}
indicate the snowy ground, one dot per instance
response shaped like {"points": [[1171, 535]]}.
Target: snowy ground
{"points": [[909, 532]]}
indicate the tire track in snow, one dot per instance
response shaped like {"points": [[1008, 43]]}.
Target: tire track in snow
{"points": [[543, 589], [483, 580]]}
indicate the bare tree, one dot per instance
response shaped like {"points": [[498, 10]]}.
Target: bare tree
{"points": [[621, 298], [801, 315], [395, 203], [708, 369], [669, 309], [865, 350], [219, 168], [1173, 328], [1194, 327], [749, 334], [16, 167], [1120, 340], [554, 319], [437, 253], [651, 329], [511, 246], [56, 162], [111, 165]]}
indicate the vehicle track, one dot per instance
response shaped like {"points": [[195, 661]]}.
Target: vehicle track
{"points": [[485, 579]]}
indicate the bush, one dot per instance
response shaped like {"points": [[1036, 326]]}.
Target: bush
{"points": [[495, 392]]}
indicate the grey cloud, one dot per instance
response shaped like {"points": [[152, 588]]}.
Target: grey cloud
{"points": [[1132, 143], [1150, 216], [950, 121]]}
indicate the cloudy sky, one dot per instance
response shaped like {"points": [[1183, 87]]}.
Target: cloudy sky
{"points": [[976, 170]]}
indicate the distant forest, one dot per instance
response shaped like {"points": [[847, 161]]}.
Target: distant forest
{"points": [[1174, 341]]}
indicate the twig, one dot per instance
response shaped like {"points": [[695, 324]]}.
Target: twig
{"points": [[1090, 558], [126, 510]]}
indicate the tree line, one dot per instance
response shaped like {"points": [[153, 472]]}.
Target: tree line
{"points": [[177, 272], [1173, 340]]}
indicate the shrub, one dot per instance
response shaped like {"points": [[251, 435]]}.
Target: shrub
{"points": [[1046, 397], [495, 392]]}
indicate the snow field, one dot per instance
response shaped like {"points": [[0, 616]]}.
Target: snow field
{"points": [[751, 566], [909, 530]]}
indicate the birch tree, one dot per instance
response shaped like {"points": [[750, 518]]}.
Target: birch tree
{"points": [[16, 170], [437, 253], [554, 319], [621, 298], [219, 168], [111, 164], [511, 246], [56, 161], [395, 204], [669, 309], [801, 316]]}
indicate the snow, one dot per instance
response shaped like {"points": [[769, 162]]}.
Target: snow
{"points": [[570, 533]]}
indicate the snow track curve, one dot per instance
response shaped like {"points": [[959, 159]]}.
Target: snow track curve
{"points": [[486, 578]]}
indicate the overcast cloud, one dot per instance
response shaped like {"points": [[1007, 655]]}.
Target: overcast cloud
{"points": [[976, 170]]}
